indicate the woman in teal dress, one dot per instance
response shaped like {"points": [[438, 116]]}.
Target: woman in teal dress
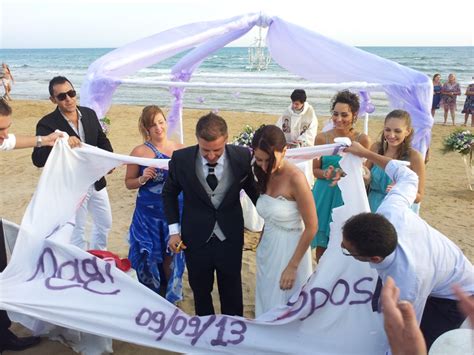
{"points": [[344, 108], [156, 268], [395, 142]]}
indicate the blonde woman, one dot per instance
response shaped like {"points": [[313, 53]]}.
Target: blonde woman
{"points": [[157, 268], [449, 93]]}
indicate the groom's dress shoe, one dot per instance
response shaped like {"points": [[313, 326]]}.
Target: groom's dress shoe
{"points": [[15, 343]]}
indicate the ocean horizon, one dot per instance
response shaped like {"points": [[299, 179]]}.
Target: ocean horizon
{"points": [[33, 68]]}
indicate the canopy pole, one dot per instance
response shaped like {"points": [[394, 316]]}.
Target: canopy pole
{"points": [[366, 123]]}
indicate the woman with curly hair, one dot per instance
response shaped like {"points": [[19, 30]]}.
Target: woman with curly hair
{"points": [[344, 109]]}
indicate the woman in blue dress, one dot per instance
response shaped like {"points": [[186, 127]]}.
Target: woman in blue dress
{"points": [[344, 108], [437, 86], [395, 142], [156, 267]]}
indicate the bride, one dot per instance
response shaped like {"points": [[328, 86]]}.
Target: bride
{"points": [[287, 207]]}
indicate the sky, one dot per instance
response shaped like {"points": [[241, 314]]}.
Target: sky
{"points": [[113, 23]]}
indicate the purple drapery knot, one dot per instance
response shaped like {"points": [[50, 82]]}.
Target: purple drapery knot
{"points": [[366, 105], [97, 94], [264, 21], [182, 76], [174, 116], [177, 93]]}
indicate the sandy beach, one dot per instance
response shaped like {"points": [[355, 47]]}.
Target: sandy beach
{"points": [[447, 205]]}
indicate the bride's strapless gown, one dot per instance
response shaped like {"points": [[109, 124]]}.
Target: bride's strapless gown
{"points": [[282, 232]]}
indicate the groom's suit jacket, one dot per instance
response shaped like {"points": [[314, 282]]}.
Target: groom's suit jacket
{"points": [[92, 130], [199, 214]]}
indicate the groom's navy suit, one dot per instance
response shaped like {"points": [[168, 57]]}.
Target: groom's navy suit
{"points": [[202, 208]]}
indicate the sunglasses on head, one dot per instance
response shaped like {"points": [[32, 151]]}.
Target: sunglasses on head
{"points": [[62, 96]]}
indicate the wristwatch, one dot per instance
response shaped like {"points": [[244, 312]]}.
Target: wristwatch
{"points": [[39, 142]]}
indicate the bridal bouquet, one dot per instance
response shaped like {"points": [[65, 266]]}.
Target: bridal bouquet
{"points": [[461, 141], [245, 137]]}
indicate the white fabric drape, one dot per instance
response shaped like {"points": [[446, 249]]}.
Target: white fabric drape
{"points": [[54, 281]]}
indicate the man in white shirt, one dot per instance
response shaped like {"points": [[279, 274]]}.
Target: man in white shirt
{"points": [[396, 242], [8, 340], [299, 122]]}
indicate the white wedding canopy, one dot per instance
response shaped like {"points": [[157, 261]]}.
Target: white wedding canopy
{"points": [[316, 58]]}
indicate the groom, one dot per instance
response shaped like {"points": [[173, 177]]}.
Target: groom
{"points": [[210, 175]]}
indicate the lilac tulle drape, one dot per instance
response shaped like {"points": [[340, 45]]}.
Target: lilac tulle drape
{"points": [[298, 50], [320, 59]]}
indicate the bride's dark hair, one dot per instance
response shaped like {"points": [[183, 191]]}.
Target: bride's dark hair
{"points": [[269, 139]]}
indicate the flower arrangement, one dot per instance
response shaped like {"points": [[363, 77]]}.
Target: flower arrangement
{"points": [[245, 137], [105, 123], [461, 141]]}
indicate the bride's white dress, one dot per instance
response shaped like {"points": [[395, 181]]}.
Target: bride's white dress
{"points": [[282, 232]]}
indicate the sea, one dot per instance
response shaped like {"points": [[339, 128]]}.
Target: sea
{"points": [[33, 68]]}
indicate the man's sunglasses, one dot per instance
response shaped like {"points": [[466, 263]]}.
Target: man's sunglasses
{"points": [[62, 96]]}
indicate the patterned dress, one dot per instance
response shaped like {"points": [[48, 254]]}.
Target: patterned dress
{"points": [[450, 101], [469, 103], [148, 237]]}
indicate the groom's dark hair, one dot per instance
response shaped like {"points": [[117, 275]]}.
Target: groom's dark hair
{"points": [[211, 127]]}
